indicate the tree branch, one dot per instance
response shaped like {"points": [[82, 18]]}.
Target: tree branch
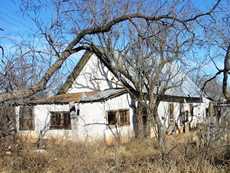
{"points": [[69, 50], [225, 73]]}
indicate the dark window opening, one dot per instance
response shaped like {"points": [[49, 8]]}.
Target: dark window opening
{"points": [[207, 112], [112, 120], [60, 120], [26, 118], [181, 108], [78, 112], [186, 116], [183, 114], [191, 110], [72, 109], [171, 110]]}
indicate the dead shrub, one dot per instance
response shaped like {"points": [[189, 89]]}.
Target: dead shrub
{"points": [[135, 156], [29, 161]]}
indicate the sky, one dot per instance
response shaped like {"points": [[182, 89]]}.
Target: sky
{"points": [[15, 25], [12, 21]]}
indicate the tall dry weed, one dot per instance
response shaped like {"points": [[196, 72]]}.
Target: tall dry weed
{"points": [[135, 156]]}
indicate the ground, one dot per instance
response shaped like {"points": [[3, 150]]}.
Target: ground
{"points": [[181, 155]]}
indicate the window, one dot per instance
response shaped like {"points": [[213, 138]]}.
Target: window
{"points": [[124, 117], [181, 105], [118, 117], [183, 114], [191, 108], [26, 118], [60, 120], [206, 112], [170, 111], [112, 119]]}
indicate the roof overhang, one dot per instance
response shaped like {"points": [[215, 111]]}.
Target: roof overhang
{"points": [[81, 97]]}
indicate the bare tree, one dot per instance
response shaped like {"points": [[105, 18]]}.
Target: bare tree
{"points": [[146, 40], [142, 63], [218, 42], [84, 26]]}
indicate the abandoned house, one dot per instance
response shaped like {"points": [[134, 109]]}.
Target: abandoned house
{"points": [[92, 105]]}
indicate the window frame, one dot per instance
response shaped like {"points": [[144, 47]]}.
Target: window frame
{"points": [[107, 117], [23, 118], [171, 109], [64, 123], [118, 122]]}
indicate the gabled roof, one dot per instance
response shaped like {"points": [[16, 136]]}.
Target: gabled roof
{"points": [[187, 88], [76, 71]]}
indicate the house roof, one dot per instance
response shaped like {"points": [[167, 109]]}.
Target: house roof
{"points": [[81, 97], [185, 86], [186, 89], [76, 71]]}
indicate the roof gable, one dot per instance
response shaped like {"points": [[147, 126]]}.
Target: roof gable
{"points": [[187, 88], [90, 74], [76, 71]]}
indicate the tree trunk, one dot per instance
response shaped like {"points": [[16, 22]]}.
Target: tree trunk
{"points": [[138, 123], [160, 128], [153, 109], [8, 124]]}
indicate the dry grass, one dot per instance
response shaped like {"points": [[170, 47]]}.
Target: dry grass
{"points": [[135, 156]]}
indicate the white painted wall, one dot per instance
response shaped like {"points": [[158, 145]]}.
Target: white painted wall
{"points": [[91, 122], [121, 102], [42, 119], [92, 119], [199, 112], [94, 76]]}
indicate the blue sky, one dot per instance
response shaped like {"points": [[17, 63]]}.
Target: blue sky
{"points": [[15, 25], [12, 21]]}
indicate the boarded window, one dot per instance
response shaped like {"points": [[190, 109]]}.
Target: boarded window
{"points": [[118, 117], [26, 118], [60, 120]]}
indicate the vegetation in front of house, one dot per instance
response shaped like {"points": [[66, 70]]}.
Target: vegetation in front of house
{"points": [[183, 154]]}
